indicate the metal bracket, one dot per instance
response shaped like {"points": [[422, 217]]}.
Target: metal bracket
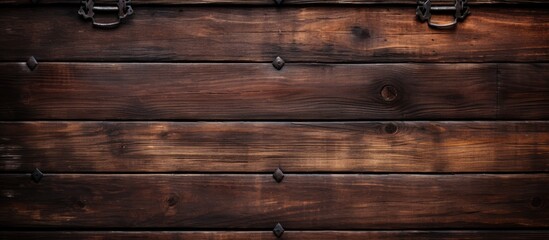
{"points": [[460, 9], [123, 7]]}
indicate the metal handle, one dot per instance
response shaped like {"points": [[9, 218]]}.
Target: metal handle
{"points": [[443, 26], [88, 9], [424, 9]]}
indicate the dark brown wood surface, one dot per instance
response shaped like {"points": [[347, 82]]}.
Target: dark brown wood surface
{"points": [[524, 91], [170, 126], [264, 146], [272, 2], [259, 34], [73, 91], [312, 202], [288, 235]]}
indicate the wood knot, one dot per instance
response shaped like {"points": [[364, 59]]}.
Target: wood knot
{"points": [[390, 128], [361, 33], [389, 93], [164, 134], [536, 202], [80, 203], [172, 200]]}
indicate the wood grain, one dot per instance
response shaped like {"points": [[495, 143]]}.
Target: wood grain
{"points": [[524, 91], [259, 34], [101, 91], [272, 2], [288, 235], [312, 202], [264, 146]]}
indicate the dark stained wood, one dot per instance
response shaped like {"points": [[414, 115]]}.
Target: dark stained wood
{"points": [[259, 34], [98, 91], [288, 235], [524, 91], [264, 146], [286, 2], [312, 202]]}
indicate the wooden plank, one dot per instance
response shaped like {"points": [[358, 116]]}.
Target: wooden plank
{"points": [[259, 34], [524, 91], [288, 235], [272, 2], [264, 146], [97, 91], [312, 202]]}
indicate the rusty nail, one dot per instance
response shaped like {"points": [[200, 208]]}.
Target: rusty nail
{"points": [[36, 175], [278, 175], [32, 63], [278, 63], [278, 230], [389, 93]]}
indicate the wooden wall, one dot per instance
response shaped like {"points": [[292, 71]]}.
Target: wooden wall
{"points": [[175, 125]]}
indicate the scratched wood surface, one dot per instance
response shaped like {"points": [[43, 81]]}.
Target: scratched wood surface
{"points": [[288, 235], [244, 201], [259, 34], [264, 146], [272, 2]]}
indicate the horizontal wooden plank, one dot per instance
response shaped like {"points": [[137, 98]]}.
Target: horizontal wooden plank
{"points": [[288, 235], [259, 34], [97, 91], [264, 146], [524, 91], [312, 202], [272, 2]]}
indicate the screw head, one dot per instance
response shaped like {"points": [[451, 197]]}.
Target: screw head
{"points": [[278, 63], [389, 93], [278, 230], [278, 175], [278, 2], [32, 63], [36, 175]]}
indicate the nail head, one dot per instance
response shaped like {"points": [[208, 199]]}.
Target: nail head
{"points": [[37, 175], [278, 230], [278, 63], [278, 175], [32, 63]]}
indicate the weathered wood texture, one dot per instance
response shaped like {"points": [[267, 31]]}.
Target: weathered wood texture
{"points": [[313, 202], [95, 91], [524, 91], [246, 91], [272, 2], [264, 146], [288, 235], [259, 34]]}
